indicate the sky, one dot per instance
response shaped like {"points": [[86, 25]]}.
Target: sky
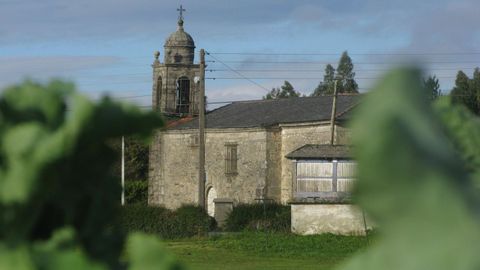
{"points": [[107, 46]]}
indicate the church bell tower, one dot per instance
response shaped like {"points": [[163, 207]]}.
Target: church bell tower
{"points": [[175, 81]]}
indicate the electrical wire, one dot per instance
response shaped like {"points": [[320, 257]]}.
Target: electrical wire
{"points": [[240, 74]]}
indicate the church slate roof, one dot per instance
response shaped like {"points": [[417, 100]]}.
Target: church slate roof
{"points": [[265, 113], [321, 151]]}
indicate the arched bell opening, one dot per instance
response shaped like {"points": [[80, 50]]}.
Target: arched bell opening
{"points": [[183, 95]]}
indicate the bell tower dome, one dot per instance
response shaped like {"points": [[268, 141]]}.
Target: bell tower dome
{"points": [[175, 87], [179, 47]]}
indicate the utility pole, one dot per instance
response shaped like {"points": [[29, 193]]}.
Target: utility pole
{"points": [[123, 171], [201, 135], [334, 111]]}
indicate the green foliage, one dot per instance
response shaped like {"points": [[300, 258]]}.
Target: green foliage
{"points": [[463, 129], [193, 220], [270, 217], [147, 253], [285, 91], [412, 182], [432, 87], [346, 76], [327, 86], [136, 192], [147, 219], [136, 158], [343, 74], [326, 245], [57, 193], [260, 250], [467, 91], [186, 221]]}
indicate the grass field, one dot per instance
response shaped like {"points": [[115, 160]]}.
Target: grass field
{"points": [[265, 251]]}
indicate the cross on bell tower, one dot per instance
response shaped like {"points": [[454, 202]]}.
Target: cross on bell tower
{"points": [[181, 10]]}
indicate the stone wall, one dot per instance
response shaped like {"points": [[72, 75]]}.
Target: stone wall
{"points": [[344, 219], [174, 168], [263, 170], [274, 164], [155, 186], [251, 153]]}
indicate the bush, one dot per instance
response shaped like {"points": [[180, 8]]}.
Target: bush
{"points": [[136, 192], [270, 217], [186, 221], [193, 220]]}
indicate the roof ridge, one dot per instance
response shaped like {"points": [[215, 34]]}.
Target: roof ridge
{"points": [[349, 108]]}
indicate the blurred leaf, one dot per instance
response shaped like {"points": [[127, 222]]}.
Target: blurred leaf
{"points": [[55, 172], [60, 252], [413, 183], [463, 127], [18, 259], [146, 252]]}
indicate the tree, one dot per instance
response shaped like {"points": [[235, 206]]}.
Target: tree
{"points": [[467, 91], [285, 91], [326, 87], [476, 86], [432, 87], [136, 159], [346, 76]]}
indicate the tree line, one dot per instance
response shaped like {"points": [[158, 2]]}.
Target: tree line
{"points": [[466, 90], [343, 74]]}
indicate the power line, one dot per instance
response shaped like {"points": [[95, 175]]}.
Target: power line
{"points": [[240, 74], [303, 78], [322, 70], [339, 53], [356, 63]]}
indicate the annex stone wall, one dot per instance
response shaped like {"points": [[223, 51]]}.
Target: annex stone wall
{"points": [[294, 137], [344, 219]]}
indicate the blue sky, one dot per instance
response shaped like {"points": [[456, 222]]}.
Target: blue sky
{"points": [[106, 46]]}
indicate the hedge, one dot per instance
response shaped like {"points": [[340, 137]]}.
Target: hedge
{"points": [[270, 217], [186, 221], [136, 192]]}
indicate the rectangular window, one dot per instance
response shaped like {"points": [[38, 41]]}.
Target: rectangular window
{"points": [[194, 140], [231, 158], [314, 177], [346, 175]]}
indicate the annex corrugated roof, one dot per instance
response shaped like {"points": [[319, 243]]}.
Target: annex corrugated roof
{"points": [[264, 113], [321, 151]]}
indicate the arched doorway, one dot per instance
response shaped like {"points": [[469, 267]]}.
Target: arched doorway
{"points": [[211, 195]]}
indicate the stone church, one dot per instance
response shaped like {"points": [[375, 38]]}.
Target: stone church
{"points": [[278, 150]]}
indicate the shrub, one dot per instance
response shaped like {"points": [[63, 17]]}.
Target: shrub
{"points": [[270, 217], [186, 221], [193, 220], [136, 192]]}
